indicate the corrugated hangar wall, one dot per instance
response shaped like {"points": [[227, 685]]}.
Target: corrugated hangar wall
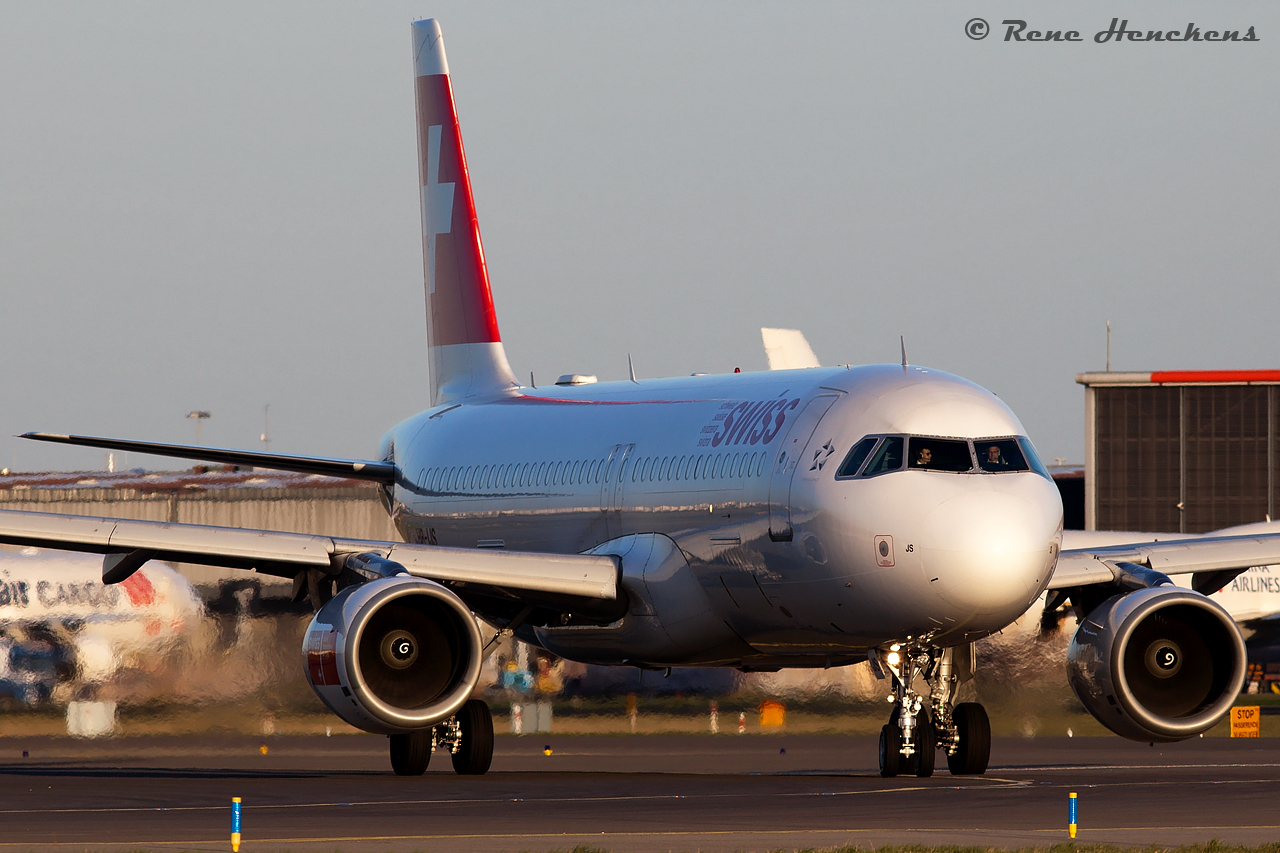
{"points": [[344, 508], [1181, 451]]}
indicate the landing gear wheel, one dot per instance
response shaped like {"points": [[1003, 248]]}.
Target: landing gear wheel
{"points": [[475, 753], [926, 746], [974, 731], [890, 750], [411, 753]]}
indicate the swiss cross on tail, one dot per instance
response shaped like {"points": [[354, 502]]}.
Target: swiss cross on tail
{"points": [[437, 204], [463, 344]]}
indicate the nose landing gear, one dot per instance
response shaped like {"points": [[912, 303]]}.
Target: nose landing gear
{"points": [[918, 728]]}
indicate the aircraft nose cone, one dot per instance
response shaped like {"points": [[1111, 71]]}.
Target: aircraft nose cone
{"points": [[989, 553]]}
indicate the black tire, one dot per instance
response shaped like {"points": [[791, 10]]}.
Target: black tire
{"points": [[411, 753], [476, 752], [890, 750], [974, 750], [926, 747]]}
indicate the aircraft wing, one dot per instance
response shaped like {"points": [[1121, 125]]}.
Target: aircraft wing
{"points": [[579, 582], [356, 469], [1216, 557]]}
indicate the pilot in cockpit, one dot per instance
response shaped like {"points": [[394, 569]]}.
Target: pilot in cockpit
{"points": [[995, 459]]}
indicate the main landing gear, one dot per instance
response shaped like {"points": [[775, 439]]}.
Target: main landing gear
{"points": [[468, 736], [918, 727]]}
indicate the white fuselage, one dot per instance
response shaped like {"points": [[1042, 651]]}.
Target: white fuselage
{"points": [[740, 471]]}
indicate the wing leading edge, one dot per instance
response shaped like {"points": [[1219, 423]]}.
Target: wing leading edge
{"points": [[1216, 557], [356, 469]]}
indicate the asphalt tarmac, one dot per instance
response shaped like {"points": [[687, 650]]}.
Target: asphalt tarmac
{"points": [[637, 793]]}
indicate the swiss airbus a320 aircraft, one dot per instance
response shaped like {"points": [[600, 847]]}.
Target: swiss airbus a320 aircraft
{"points": [[795, 518]]}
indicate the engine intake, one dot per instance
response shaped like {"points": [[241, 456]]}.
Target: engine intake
{"points": [[393, 655], [1161, 664]]}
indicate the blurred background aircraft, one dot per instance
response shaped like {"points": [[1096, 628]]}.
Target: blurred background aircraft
{"points": [[63, 633]]}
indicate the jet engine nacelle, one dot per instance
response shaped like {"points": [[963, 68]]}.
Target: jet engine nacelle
{"points": [[1160, 664], [393, 655]]}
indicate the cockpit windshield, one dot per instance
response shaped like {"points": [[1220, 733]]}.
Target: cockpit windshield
{"points": [[887, 458], [939, 454], [885, 453], [857, 455], [1033, 458], [1000, 454]]}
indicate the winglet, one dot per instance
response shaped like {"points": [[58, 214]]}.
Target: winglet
{"points": [[467, 357]]}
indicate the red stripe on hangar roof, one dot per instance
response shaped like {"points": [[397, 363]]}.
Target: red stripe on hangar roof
{"points": [[1211, 376]]}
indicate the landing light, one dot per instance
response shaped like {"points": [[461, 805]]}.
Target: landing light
{"points": [[893, 658]]}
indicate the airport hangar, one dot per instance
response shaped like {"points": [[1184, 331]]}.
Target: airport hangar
{"points": [[1180, 451]]}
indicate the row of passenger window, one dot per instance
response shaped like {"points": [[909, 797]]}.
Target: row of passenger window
{"points": [[707, 466], [704, 466], [514, 475], [885, 453]]}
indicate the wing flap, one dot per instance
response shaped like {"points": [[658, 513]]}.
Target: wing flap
{"points": [[188, 543], [1085, 566], [579, 575], [35, 528]]}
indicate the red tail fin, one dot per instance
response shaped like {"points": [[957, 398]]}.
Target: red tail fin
{"points": [[467, 358]]}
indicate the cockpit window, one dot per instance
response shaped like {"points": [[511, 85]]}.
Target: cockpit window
{"points": [[887, 458], [883, 454], [1032, 457], [876, 454], [939, 454], [857, 455], [998, 455]]}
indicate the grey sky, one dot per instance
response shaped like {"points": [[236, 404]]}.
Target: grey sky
{"points": [[215, 206]]}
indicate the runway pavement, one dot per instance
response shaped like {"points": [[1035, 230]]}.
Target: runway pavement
{"points": [[638, 793]]}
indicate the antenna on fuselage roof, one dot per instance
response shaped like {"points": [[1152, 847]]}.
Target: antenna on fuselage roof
{"points": [[631, 367], [902, 340]]}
